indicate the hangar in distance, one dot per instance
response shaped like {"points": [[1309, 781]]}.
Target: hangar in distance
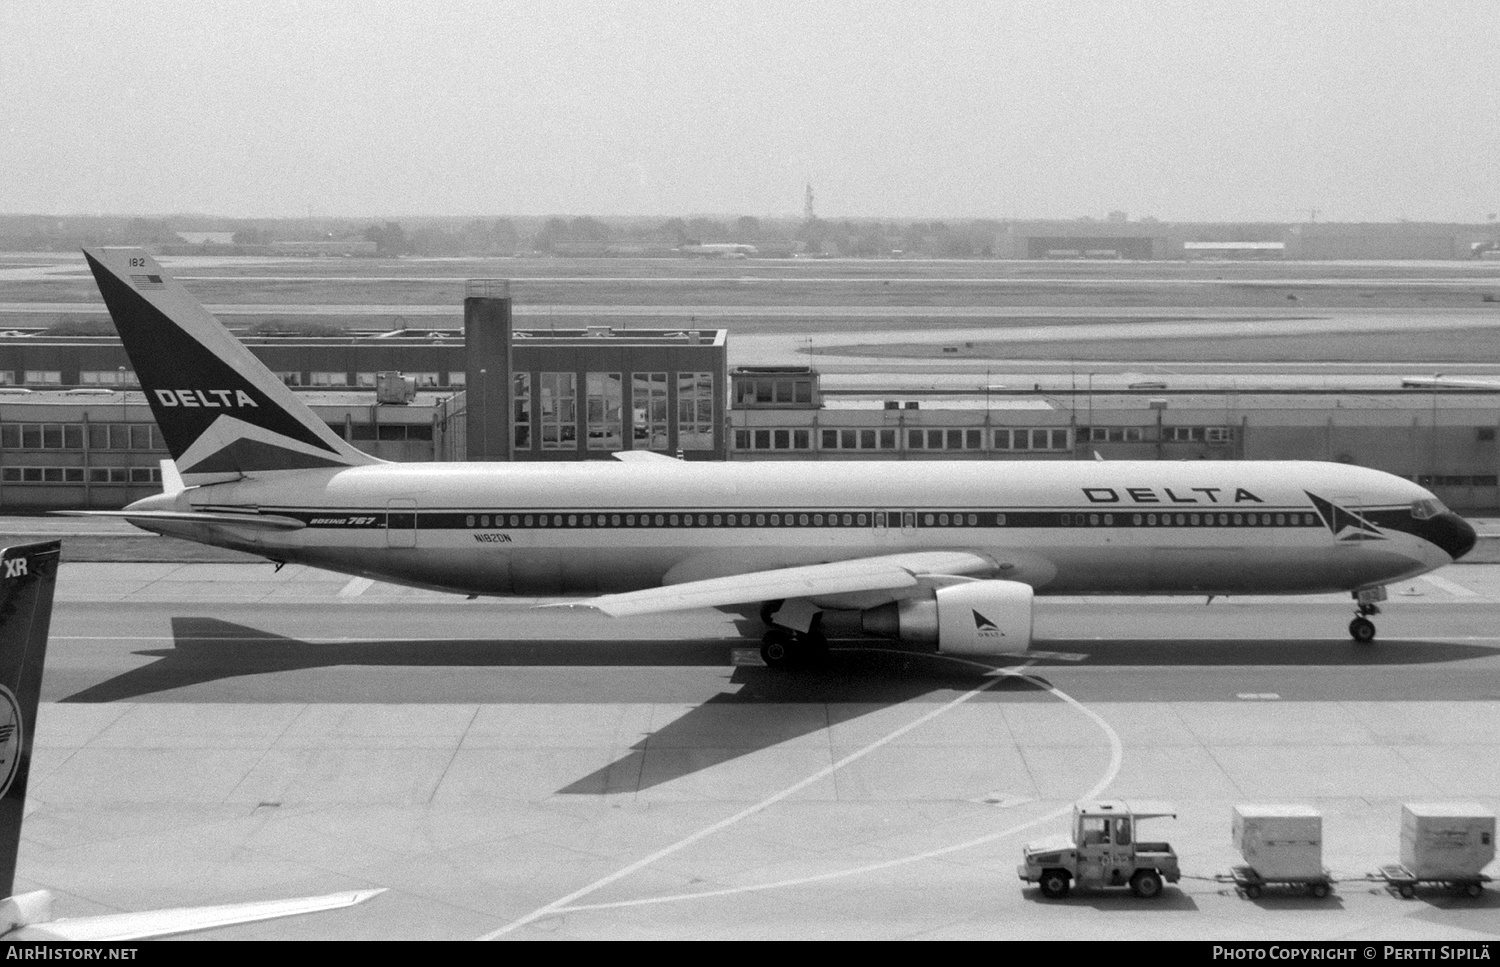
{"points": [[936, 554]]}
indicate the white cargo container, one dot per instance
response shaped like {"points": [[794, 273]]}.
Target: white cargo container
{"points": [[1447, 841], [1282, 843]]}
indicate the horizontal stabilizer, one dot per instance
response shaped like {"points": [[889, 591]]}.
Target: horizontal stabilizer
{"points": [[645, 457], [265, 521]]}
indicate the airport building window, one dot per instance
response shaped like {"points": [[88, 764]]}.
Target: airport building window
{"points": [[364, 380], [773, 439], [1035, 438], [108, 377], [648, 402], [421, 380], [521, 411], [141, 476], [125, 436], [43, 377], [773, 391], [7, 377], [695, 411], [559, 411], [290, 378], [945, 439], [391, 432], [1218, 434], [604, 411], [1112, 434], [457, 378], [41, 436], [329, 379], [853, 439]]}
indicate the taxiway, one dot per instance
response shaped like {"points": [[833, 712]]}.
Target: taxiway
{"points": [[215, 732]]}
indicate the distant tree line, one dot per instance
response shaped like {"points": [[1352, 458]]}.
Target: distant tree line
{"points": [[867, 238]]}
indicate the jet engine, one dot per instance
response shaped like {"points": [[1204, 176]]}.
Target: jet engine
{"points": [[972, 618]]}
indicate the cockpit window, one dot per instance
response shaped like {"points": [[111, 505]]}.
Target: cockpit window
{"points": [[1427, 509]]}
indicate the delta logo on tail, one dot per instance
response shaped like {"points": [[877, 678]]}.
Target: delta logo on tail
{"points": [[219, 412], [1345, 525], [985, 628]]}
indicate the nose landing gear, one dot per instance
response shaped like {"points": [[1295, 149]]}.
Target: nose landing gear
{"points": [[1362, 629]]}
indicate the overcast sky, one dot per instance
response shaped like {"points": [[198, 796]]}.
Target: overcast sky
{"points": [[1203, 110]]}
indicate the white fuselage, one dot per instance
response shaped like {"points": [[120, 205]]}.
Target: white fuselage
{"points": [[1061, 527]]}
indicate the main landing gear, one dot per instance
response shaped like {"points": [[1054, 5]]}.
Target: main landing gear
{"points": [[784, 648], [781, 647]]}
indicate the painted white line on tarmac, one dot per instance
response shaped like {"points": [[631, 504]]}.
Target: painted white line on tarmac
{"points": [[355, 587], [1117, 754], [1452, 587]]}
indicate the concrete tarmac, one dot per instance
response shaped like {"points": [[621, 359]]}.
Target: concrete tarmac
{"points": [[222, 732]]}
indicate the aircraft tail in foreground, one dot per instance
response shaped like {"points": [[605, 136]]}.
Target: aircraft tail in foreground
{"points": [[28, 576]]}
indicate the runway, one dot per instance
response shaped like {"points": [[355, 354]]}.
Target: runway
{"points": [[216, 732]]}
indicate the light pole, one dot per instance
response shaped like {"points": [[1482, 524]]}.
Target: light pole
{"points": [[484, 438]]}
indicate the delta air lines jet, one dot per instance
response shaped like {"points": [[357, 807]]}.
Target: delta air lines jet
{"points": [[943, 555]]}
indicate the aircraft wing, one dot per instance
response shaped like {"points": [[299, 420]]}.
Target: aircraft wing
{"points": [[161, 923], [888, 572]]}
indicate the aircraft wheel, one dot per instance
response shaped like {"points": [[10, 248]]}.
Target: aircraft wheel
{"points": [[776, 648], [1252, 891], [1318, 890], [1055, 884], [1362, 630], [1146, 884], [1474, 890], [1407, 891]]}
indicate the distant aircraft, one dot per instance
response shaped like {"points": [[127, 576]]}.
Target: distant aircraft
{"points": [[1439, 381], [721, 250], [28, 574], [933, 553]]}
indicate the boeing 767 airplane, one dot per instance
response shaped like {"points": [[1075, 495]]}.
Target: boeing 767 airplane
{"points": [[943, 555]]}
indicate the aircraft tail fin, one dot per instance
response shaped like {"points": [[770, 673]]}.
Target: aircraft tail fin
{"points": [[224, 415], [28, 574]]}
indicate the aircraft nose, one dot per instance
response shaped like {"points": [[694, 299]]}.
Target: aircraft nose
{"points": [[1455, 535]]}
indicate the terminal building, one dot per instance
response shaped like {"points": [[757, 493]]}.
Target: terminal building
{"points": [[75, 433]]}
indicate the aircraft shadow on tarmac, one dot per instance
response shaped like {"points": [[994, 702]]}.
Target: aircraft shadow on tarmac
{"points": [[209, 649], [858, 678]]}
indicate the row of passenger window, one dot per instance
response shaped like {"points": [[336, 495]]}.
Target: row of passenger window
{"points": [[1192, 520], [1009, 439], [670, 520], [78, 475], [906, 519]]}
